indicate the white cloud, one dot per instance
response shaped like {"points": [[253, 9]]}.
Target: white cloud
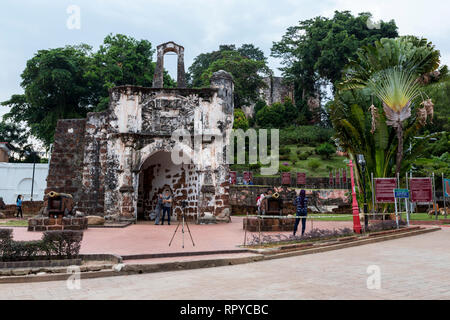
{"points": [[198, 25]]}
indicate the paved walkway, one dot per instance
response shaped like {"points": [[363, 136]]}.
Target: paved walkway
{"points": [[410, 268], [151, 239]]}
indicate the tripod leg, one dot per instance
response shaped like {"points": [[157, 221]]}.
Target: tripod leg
{"points": [[182, 231], [174, 234], [189, 230]]}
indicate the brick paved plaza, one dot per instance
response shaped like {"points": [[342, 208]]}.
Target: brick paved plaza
{"points": [[411, 268], [149, 239]]}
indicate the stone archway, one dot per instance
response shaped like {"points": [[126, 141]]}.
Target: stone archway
{"points": [[162, 49], [155, 173]]}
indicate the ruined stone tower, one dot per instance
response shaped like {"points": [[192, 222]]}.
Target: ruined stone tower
{"points": [[116, 162]]}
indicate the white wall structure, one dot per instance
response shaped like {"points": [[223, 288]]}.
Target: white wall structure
{"points": [[16, 178]]}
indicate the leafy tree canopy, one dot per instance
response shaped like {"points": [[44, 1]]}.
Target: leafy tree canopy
{"points": [[319, 48], [246, 75], [204, 60], [277, 115], [18, 138], [68, 82]]}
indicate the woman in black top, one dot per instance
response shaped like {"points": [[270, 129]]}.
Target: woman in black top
{"points": [[301, 202]]}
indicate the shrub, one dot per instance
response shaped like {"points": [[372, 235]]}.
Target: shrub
{"points": [[283, 168], [285, 150], [240, 120], [25, 250], [313, 164], [255, 166], [305, 135], [63, 243], [326, 150], [60, 244], [303, 156], [5, 234]]}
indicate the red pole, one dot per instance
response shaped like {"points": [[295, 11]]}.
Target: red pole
{"points": [[356, 221]]}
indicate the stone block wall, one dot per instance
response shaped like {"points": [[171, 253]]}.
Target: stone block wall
{"points": [[94, 167], [51, 224], [65, 172], [28, 208]]}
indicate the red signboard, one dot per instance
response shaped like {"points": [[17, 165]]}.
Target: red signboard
{"points": [[384, 189], [337, 177], [248, 176], [286, 178], [331, 178], [233, 177], [301, 178], [344, 176], [421, 190]]}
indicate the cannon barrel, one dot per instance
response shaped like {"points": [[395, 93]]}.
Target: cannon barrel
{"points": [[53, 194]]}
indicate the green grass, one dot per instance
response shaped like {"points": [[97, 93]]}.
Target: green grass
{"points": [[14, 223], [424, 216]]}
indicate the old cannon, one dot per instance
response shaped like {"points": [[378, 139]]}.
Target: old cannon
{"points": [[59, 204]]}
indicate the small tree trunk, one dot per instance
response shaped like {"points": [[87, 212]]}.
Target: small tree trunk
{"points": [[400, 148]]}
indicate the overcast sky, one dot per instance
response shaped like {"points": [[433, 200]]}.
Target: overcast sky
{"points": [[199, 25]]}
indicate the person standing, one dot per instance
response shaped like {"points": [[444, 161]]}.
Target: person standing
{"points": [[167, 205], [301, 202], [259, 201], [159, 206], [19, 206]]}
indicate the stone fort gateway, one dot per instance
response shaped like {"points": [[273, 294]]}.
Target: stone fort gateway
{"points": [[115, 162]]}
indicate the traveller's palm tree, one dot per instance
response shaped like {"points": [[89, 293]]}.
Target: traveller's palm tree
{"points": [[392, 69]]}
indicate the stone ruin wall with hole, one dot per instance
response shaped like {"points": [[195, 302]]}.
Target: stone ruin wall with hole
{"points": [[100, 159], [276, 90]]}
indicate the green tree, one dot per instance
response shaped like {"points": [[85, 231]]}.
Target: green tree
{"points": [[56, 87], [240, 120], [440, 92], [277, 115], [17, 137], [390, 69], [318, 49], [326, 150], [203, 61], [68, 82], [271, 116], [246, 76]]}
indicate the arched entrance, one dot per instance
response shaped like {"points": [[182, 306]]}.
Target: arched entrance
{"points": [[159, 173]]}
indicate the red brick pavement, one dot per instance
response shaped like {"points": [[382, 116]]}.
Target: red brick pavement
{"points": [[151, 239]]}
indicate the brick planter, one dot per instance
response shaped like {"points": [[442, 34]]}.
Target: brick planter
{"points": [[50, 224], [270, 224]]}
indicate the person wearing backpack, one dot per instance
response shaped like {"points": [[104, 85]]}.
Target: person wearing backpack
{"points": [[301, 203]]}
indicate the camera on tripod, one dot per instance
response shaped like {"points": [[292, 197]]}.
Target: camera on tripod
{"points": [[183, 222]]}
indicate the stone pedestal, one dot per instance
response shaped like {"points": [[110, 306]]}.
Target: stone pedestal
{"points": [[268, 224], [51, 224]]}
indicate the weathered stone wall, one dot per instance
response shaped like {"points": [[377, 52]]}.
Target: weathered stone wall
{"points": [[92, 198], [101, 160], [311, 182], [66, 164], [276, 90], [243, 198]]}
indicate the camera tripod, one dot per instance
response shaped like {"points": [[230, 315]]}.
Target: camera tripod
{"points": [[182, 222]]}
